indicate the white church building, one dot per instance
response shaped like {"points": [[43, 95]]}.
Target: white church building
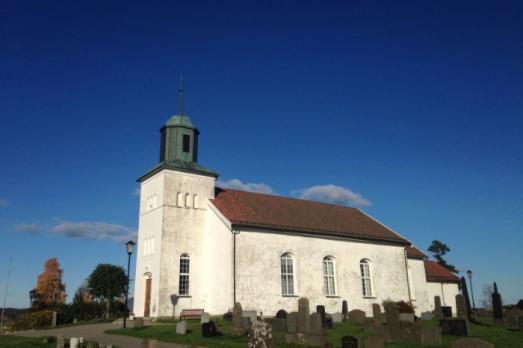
{"points": [[205, 247]]}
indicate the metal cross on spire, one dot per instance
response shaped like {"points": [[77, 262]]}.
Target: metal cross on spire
{"points": [[180, 97]]}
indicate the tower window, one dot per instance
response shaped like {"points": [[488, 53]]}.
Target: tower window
{"points": [[186, 143]]}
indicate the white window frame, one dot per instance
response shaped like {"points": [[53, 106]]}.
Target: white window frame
{"points": [[288, 279], [329, 276], [366, 278], [184, 279]]}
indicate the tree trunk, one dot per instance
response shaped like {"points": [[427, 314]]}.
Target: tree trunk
{"points": [[107, 308]]}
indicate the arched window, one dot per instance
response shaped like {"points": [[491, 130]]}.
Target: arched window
{"points": [[366, 282], [329, 281], [287, 274], [179, 199], [183, 285], [187, 200]]}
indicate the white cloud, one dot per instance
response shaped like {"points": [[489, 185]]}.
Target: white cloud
{"points": [[28, 228], [95, 230], [236, 184], [3, 202], [332, 194]]}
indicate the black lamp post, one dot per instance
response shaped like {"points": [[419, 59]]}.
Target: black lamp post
{"points": [[130, 249], [469, 274]]}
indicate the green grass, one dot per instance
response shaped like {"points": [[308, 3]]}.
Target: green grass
{"points": [[500, 337], [10, 341], [24, 342]]}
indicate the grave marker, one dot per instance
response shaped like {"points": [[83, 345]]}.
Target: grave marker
{"points": [[181, 327]]}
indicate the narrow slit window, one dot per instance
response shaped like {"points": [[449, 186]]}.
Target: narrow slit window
{"points": [[186, 143]]}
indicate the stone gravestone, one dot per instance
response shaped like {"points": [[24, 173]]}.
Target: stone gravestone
{"points": [[260, 335], [497, 306], [392, 330], [281, 314], [471, 343], [278, 324], [344, 310], [292, 322], [181, 327], [349, 342], [512, 316], [316, 336], [237, 328], [520, 322], [447, 311], [205, 318], [461, 307], [357, 317], [430, 336], [303, 315], [337, 318], [209, 329], [426, 315], [252, 315], [60, 341], [438, 313], [406, 317], [246, 323], [55, 317], [321, 311], [464, 290], [374, 341], [73, 342], [376, 312], [137, 323], [457, 327]]}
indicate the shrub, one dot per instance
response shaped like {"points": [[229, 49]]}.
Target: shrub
{"points": [[404, 307], [33, 320]]}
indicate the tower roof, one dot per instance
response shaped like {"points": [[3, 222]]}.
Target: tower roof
{"points": [[180, 121]]}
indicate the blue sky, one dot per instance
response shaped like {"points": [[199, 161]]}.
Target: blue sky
{"points": [[412, 111]]}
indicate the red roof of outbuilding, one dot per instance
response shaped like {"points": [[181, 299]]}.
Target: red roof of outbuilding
{"points": [[415, 253], [255, 210], [437, 273]]}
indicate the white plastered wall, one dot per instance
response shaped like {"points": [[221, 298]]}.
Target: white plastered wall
{"points": [[259, 278], [446, 291], [418, 284], [149, 226]]}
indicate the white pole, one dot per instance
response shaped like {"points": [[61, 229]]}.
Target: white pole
{"points": [[5, 293]]}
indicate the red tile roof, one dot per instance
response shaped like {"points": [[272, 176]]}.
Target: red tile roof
{"points": [[437, 273], [255, 210], [415, 253]]}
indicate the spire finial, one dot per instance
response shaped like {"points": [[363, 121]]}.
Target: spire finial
{"points": [[180, 97]]}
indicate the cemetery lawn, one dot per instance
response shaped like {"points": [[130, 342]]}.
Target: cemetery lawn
{"points": [[500, 337], [9, 341]]}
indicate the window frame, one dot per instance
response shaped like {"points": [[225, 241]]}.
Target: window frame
{"points": [[184, 275], [329, 276], [288, 278], [366, 279]]}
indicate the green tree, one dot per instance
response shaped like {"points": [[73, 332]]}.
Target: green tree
{"points": [[438, 250], [107, 283]]}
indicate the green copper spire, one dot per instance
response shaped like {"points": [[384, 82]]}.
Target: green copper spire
{"points": [[179, 145], [179, 136]]}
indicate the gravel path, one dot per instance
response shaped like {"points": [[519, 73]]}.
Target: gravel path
{"points": [[96, 332]]}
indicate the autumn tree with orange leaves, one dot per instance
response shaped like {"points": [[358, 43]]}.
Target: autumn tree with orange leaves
{"points": [[49, 288]]}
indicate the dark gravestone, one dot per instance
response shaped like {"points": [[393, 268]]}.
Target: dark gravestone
{"points": [[437, 307], [349, 342], [281, 314], [497, 306], [461, 307], [330, 323], [447, 311], [292, 322], [344, 310], [321, 311], [303, 315], [457, 327], [209, 330], [238, 327], [464, 290]]}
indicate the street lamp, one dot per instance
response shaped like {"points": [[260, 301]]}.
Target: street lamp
{"points": [[130, 249], [469, 274]]}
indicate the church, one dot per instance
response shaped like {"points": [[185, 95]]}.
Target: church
{"points": [[205, 247]]}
